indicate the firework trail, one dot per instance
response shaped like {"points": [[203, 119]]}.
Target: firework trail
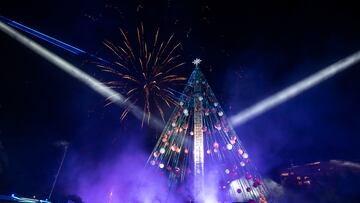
{"points": [[146, 69]]}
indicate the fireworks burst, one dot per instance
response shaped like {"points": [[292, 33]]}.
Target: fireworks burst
{"points": [[147, 71]]}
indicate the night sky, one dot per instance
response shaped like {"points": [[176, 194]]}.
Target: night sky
{"points": [[249, 51]]}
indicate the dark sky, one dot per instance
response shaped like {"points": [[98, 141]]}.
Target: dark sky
{"points": [[250, 50]]}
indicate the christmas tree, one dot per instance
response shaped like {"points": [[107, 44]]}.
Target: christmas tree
{"points": [[199, 146]]}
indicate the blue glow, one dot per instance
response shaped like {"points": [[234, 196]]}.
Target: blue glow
{"points": [[42, 36], [49, 39]]}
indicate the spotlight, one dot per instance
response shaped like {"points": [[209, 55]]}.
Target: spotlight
{"points": [[94, 84], [294, 90]]}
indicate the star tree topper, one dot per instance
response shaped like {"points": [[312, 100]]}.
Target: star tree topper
{"points": [[197, 61]]}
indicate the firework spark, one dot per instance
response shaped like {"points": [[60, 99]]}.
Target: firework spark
{"points": [[147, 71]]}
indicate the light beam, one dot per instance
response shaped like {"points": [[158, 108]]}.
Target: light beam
{"points": [[62, 64], [51, 40], [240, 118], [294, 90]]}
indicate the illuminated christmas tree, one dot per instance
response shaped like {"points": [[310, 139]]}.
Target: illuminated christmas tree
{"points": [[199, 146]]}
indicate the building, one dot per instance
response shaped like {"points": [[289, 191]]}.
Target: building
{"points": [[325, 181]]}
